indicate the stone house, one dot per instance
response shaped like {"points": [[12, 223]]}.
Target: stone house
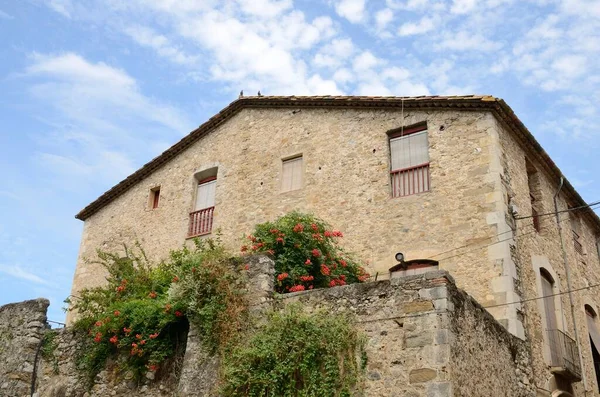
{"points": [[459, 180]]}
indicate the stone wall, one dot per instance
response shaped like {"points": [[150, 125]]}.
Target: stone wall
{"points": [[346, 171], [22, 326], [534, 250], [425, 338]]}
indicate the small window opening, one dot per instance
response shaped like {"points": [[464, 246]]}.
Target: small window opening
{"points": [[576, 230], [409, 160], [594, 333], [154, 197]]}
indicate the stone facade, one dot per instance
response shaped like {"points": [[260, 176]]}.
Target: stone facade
{"points": [[22, 327], [425, 338], [480, 159]]}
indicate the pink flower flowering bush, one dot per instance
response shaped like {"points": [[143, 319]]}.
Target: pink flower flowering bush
{"points": [[307, 253]]}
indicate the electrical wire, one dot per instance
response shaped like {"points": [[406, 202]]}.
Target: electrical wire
{"points": [[559, 212]]}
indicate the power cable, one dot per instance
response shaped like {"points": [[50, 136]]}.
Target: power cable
{"points": [[559, 212]]}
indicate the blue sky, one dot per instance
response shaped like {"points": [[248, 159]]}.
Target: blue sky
{"points": [[91, 90]]}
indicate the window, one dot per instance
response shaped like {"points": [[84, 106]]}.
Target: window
{"points": [[154, 197], [291, 176], [409, 150], [533, 182], [576, 229], [548, 299], [201, 220], [594, 333]]}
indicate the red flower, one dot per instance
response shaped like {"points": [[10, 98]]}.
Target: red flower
{"points": [[325, 270], [127, 331], [153, 367], [246, 267], [254, 248], [306, 278], [98, 323], [327, 233], [280, 240], [297, 288], [271, 252], [120, 288], [317, 237], [282, 276], [252, 238], [154, 336], [314, 227], [114, 339], [98, 337], [310, 287], [134, 344], [152, 295], [299, 228], [308, 262], [260, 245], [337, 233], [244, 248], [138, 336], [143, 342], [175, 279], [117, 313], [343, 263], [316, 253], [178, 313], [274, 231], [332, 283]]}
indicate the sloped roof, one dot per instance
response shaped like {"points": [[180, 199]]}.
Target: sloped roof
{"points": [[463, 102]]}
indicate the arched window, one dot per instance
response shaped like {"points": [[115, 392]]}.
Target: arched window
{"points": [[594, 332]]}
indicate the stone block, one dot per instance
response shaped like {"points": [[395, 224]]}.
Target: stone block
{"points": [[439, 389], [422, 375], [417, 307]]}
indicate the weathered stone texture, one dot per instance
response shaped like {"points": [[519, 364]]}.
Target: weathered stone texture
{"points": [[22, 327], [425, 338], [533, 250], [346, 182]]}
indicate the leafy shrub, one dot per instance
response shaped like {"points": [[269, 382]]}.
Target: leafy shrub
{"points": [[297, 354], [306, 252], [211, 292], [140, 317]]}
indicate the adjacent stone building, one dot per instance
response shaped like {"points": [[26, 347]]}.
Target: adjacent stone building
{"points": [[459, 180]]}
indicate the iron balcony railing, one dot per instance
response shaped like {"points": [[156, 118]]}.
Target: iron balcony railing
{"points": [[201, 222], [564, 355]]}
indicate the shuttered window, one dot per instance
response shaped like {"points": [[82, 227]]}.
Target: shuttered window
{"points": [[291, 178], [409, 162], [205, 197]]}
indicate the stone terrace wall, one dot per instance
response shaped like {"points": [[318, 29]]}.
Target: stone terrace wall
{"points": [[485, 359], [425, 338], [22, 327]]}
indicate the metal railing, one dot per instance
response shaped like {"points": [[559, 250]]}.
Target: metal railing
{"points": [[410, 180], [201, 222], [564, 355]]}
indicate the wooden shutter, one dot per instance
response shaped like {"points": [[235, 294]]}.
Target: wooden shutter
{"points": [[408, 151], [205, 197], [292, 174], [549, 306]]}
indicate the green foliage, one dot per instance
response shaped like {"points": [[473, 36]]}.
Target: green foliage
{"points": [[49, 345], [211, 292], [136, 319], [306, 252], [297, 354]]}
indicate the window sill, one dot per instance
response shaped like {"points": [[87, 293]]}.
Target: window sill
{"points": [[198, 235]]}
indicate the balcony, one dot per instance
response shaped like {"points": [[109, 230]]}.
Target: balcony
{"points": [[411, 180], [564, 355], [201, 222]]}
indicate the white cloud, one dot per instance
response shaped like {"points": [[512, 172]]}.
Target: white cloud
{"points": [[334, 54], [61, 6], [424, 25], [5, 15], [352, 10], [463, 6], [365, 61], [148, 38], [467, 41], [383, 17], [97, 116], [20, 273]]}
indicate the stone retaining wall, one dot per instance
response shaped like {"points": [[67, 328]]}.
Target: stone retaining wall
{"points": [[425, 338]]}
